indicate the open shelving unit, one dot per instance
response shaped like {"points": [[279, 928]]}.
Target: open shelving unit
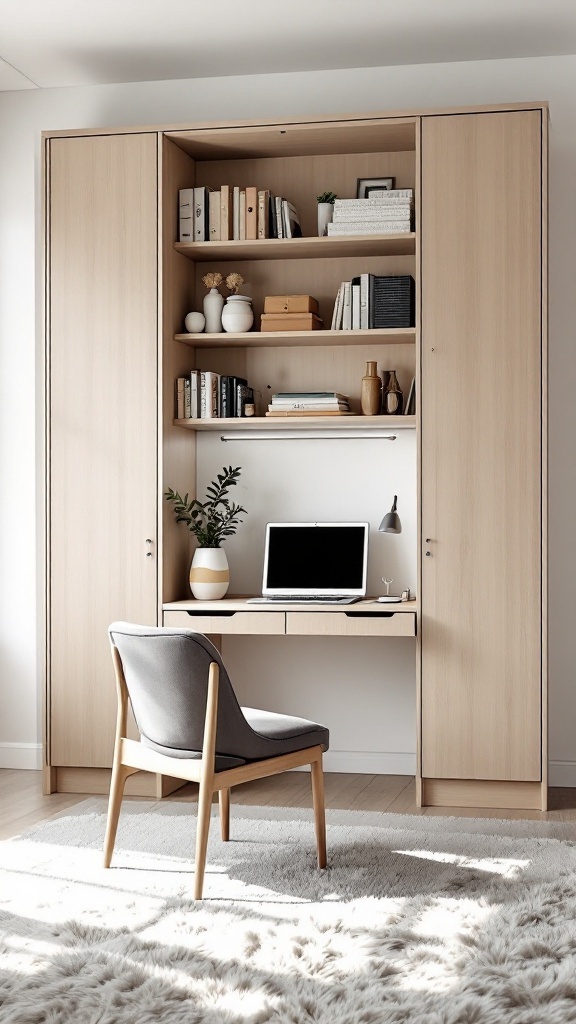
{"points": [[297, 161]]}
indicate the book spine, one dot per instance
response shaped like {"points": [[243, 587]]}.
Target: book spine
{"points": [[185, 214], [194, 394], [226, 229], [279, 227], [264, 213], [209, 388], [363, 228], [180, 398], [242, 224], [200, 214], [362, 216], [355, 304], [251, 213], [225, 395], [236, 211], [187, 413], [214, 216], [346, 310], [363, 302]]}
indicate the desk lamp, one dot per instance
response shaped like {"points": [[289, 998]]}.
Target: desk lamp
{"points": [[390, 524]]}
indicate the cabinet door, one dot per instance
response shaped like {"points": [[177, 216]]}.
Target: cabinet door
{"points": [[102, 425], [481, 446]]}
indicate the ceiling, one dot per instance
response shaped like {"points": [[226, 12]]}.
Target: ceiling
{"points": [[46, 44]]}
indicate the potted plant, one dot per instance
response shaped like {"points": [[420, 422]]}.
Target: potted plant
{"points": [[325, 211], [211, 521]]}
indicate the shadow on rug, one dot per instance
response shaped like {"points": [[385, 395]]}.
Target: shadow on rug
{"points": [[420, 920]]}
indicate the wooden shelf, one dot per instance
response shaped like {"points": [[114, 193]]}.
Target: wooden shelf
{"points": [[286, 339], [300, 248], [301, 423]]}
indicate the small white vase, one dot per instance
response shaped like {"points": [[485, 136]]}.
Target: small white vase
{"points": [[209, 574], [213, 303], [237, 314], [325, 214]]}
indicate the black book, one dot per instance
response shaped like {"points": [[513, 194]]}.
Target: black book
{"points": [[391, 301], [229, 393], [272, 221], [244, 394]]}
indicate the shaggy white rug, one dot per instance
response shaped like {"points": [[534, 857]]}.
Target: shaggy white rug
{"points": [[419, 920]]}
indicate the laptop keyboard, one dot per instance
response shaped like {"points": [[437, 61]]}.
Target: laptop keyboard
{"points": [[304, 599]]}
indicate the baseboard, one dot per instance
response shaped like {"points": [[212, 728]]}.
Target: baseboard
{"points": [[21, 755], [562, 773], [370, 762]]}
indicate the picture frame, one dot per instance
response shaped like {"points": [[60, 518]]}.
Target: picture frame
{"points": [[367, 185]]}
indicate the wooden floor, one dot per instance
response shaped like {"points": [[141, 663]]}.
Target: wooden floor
{"points": [[22, 803]]}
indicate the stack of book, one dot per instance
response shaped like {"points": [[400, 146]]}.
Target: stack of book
{"points": [[204, 394], [231, 212], [374, 301], [309, 403], [386, 212], [290, 313]]}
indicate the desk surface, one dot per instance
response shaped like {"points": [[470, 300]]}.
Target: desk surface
{"points": [[241, 604]]}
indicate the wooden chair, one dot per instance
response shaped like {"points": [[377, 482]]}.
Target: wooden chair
{"points": [[192, 727]]}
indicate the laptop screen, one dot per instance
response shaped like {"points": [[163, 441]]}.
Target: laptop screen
{"points": [[316, 558]]}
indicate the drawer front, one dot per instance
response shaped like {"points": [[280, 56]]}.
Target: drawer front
{"points": [[340, 624], [260, 623]]}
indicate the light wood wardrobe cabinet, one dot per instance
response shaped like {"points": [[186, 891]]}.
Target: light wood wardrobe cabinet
{"points": [[101, 313], [118, 286], [483, 355]]}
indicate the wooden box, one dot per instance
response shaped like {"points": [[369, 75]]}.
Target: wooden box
{"points": [[290, 304], [291, 322]]}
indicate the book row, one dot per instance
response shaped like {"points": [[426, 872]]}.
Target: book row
{"points": [[231, 212], [374, 301], [204, 394]]}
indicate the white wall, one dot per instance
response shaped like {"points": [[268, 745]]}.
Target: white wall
{"points": [[24, 115]]}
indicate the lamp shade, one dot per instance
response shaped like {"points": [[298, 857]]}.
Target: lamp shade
{"points": [[391, 522]]}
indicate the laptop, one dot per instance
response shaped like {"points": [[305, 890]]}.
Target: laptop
{"points": [[315, 562]]}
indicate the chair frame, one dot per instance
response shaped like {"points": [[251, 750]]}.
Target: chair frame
{"points": [[131, 756]]}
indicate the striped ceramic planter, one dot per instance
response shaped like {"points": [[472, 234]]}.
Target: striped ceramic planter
{"points": [[209, 574]]}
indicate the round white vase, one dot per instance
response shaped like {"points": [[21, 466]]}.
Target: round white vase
{"points": [[213, 303], [237, 314], [194, 323], [325, 214], [209, 574]]}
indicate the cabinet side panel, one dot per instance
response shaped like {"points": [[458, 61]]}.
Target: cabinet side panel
{"points": [[481, 446], [103, 429]]}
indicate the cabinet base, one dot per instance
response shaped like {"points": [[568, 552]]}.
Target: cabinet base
{"points": [[94, 781], [483, 793]]}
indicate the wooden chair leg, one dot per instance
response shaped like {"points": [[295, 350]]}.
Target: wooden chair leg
{"points": [[202, 830], [206, 779], [224, 800], [318, 801], [119, 775]]}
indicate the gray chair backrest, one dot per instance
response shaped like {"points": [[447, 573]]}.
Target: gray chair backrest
{"points": [[166, 673]]}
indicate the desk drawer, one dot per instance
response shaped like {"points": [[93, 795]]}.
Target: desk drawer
{"points": [[261, 623], [349, 624]]}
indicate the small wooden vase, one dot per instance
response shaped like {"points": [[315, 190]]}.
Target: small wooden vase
{"points": [[371, 393]]}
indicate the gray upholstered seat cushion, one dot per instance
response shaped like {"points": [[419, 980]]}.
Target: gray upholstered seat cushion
{"points": [[166, 672], [286, 727]]}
